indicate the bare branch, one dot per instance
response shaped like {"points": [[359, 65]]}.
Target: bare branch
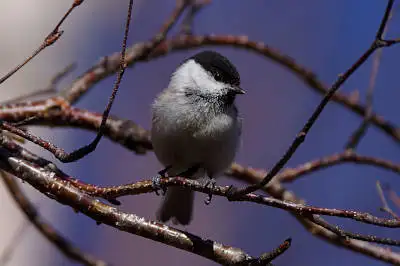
{"points": [[54, 35], [291, 174], [62, 244], [270, 256], [347, 235], [147, 186], [357, 135], [276, 190], [51, 88], [385, 206], [310, 122], [188, 21], [109, 65], [92, 76], [55, 188], [85, 150]]}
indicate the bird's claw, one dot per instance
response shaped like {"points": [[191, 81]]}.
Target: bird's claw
{"points": [[210, 184], [157, 185]]}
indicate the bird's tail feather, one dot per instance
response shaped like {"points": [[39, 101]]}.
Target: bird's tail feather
{"points": [[178, 205]]}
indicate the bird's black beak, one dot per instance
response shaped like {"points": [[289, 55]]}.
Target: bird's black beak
{"points": [[237, 90]]}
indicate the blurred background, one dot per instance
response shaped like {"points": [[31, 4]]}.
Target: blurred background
{"points": [[325, 36]]}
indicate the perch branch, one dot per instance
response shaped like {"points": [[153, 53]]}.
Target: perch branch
{"points": [[55, 188]]}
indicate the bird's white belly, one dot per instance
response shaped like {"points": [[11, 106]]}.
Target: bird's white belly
{"points": [[212, 147]]}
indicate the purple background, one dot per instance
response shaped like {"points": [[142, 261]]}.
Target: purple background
{"points": [[326, 37]]}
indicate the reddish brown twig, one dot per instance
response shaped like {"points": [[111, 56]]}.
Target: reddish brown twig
{"points": [[347, 235], [377, 43], [137, 139], [385, 206], [357, 135], [54, 35], [274, 188], [59, 153], [63, 245], [270, 256], [287, 175], [292, 174], [55, 188], [57, 112], [188, 21], [51, 88], [278, 191], [85, 150], [147, 186], [109, 65]]}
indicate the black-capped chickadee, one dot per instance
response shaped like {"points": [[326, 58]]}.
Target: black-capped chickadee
{"points": [[195, 126]]}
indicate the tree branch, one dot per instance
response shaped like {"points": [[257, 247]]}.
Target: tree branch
{"points": [[62, 244], [54, 35], [55, 188]]}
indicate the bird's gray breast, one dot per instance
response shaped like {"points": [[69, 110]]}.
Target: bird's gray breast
{"points": [[185, 134]]}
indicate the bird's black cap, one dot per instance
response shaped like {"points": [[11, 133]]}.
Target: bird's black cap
{"points": [[219, 66]]}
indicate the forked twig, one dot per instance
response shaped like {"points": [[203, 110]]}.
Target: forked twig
{"points": [[58, 189], [357, 135], [83, 151], [59, 153], [377, 43]]}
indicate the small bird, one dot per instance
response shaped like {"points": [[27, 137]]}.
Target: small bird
{"points": [[195, 127]]}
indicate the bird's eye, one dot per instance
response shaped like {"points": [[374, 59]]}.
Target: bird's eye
{"points": [[188, 93]]}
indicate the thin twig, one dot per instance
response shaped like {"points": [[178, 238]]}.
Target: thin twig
{"points": [[292, 174], [60, 190], [274, 188], [54, 35], [137, 139], [62, 244], [347, 235], [147, 186], [109, 65], [278, 191], [385, 206], [378, 43], [59, 153], [83, 151], [270, 256], [188, 21], [51, 88], [358, 134], [73, 93]]}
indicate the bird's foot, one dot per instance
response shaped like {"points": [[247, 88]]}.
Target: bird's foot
{"points": [[156, 181], [157, 185], [210, 184]]}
